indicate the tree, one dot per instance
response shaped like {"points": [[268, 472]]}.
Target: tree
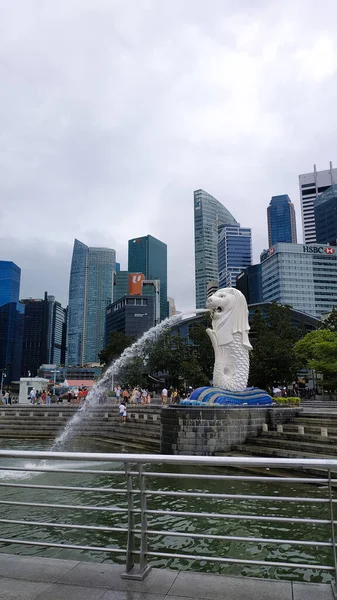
{"points": [[203, 349], [318, 351], [133, 373], [273, 359], [330, 322], [118, 342], [172, 355]]}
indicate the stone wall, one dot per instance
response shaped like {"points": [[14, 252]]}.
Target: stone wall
{"points": [[211, 430]]}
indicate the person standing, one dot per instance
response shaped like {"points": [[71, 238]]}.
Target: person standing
{"points": [[164, 396], [122, 412], [32, 395], [6, 397], [48, 399]]}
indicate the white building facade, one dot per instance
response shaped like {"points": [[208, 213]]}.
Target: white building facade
{"points": [[303, 276], [311, 185]]}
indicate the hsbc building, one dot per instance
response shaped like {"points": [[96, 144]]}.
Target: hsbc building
{"points": [[303, 276]]}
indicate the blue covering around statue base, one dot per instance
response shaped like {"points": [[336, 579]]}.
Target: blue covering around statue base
{"points": [[208, 396]]}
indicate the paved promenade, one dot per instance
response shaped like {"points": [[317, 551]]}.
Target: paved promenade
{"points": [[36, 578]]}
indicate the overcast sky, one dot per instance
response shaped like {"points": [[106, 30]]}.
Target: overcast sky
{"points": [[113, 111]]}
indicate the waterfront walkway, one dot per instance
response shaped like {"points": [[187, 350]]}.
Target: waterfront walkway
{"points": [[37, 578]]}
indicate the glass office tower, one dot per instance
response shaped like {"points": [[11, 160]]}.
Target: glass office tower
{"points": [[209, 213], [325, 207], [234, 253], [281, 220], [148, 255], [10, 275], [11, 321], [249, 282], [90, 292]]}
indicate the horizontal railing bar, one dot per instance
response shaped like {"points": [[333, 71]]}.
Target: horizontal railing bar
{"points": [[179, 513], [171, 475], [71, 506], [64, 488], [233, 538], [234, 496], [67, 546], [65, 525], [230, 461], [241, 561], [234, 477], [51, 470], [164, 533]]}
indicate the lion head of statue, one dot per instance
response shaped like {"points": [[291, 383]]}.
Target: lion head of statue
{"points": [[229, 314]]}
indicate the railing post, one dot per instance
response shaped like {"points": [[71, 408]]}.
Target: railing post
{"points": [[130, 560], [133, 571], [143, 566], [333, 539]]}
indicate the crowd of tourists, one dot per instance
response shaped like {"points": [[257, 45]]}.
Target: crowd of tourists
{"points": [[75, 396]]}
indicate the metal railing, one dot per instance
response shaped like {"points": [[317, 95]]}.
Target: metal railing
{"points": [[140, 493]]}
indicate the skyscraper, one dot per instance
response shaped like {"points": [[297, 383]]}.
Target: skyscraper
{"points": [[148, 255], [311, 185], [325, 206], [11, 321], [281, 220], [234, 253], [44, 334], [249, 282], [36, 335], [209, 213], [90, 292], [10, 275], [57, 330], [302, 276]]}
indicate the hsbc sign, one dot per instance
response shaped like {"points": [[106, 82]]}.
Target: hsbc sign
{"points": [[318, 249]]}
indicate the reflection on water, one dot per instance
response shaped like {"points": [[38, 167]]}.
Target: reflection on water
{"points": [[282, 552]]}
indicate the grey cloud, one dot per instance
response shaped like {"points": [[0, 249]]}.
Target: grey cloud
{"points": [[113, 112]]}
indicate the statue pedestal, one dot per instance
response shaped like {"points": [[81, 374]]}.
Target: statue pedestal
{"points": [[208, 396]]}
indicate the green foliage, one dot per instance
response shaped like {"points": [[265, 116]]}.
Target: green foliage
{"points": [[318, 351], [289, 400], [203, 349], [133, 373], [118, 342], [171, 354], [272, 359], [331, 322]]}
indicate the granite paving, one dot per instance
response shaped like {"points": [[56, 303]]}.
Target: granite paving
{"points": [[37, 578]]}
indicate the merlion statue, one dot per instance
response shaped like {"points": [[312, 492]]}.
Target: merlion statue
{"points": [[229, 336]]}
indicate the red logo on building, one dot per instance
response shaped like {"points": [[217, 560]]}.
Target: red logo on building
{"points": [[329, 250]]}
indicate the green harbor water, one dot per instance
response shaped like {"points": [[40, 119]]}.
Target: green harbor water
{"points": [[254, 550]]}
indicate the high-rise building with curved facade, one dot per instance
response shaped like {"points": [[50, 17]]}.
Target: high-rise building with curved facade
{"points": [[90, 292], [209, 214]]}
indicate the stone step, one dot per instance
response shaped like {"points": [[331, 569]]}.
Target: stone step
{"points": [[57, 421], [309, 429], [300, 445], [320, 416], [116, 428], [297, 437], [276, 452]]}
